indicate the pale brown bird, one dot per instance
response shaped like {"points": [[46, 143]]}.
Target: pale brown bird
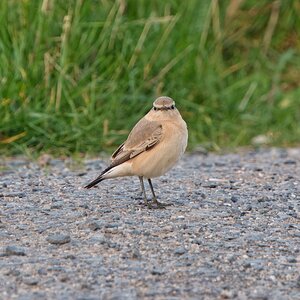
{"points": [[153, 147]]}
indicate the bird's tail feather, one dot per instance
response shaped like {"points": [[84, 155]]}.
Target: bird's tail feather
{"points": [[98, 179], [94, 182]]}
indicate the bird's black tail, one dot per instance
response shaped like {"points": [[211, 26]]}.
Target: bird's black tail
{"points": [[94, 182], [98, 179]]}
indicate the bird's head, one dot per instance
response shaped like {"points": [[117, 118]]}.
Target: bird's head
{"points": [[164, 104]]}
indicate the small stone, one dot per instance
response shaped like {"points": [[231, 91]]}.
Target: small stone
{"points": [[81, 174], [210, 185], [268, 187], [64, 278], [234, 199], [56, 268], [200, 194], [22, 227], [227, 294], [70, 256], [58, 239], [14, 272], [220, 163], [114, 245], [14, 250], [57, 205], [247, 265], [263, 199], [42, 271], [99, 239], [290, 162], [292, 260], [136, 254], [15, 194], [95, 225], [197, 241], [180, 251], [86, 285], [112, 225], [30, 281], [84, 205], [157, 271], [136, 232]]}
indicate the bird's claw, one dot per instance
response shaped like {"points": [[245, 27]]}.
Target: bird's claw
{"points": [[155, 204], [160, 205]]}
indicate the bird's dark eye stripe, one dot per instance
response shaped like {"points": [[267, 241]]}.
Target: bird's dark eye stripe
{"points": [[164, 107]]}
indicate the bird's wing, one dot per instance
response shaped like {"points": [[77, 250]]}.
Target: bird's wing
{"points": [[145, 135], [113, 156]]}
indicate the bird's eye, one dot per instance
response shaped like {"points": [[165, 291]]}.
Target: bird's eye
{"points": [[154, 108], [173, 106]]}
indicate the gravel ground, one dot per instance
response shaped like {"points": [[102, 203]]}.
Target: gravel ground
{"points": [[233, 230]]}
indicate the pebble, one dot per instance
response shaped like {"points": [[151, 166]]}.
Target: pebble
{"points": [[94, 225], [57, 205], [30, 280], [180, 251], [14, 194], [59, 239], [290, 162], [136, 254], [157, 271], [228, 294], [14, 250], [111, 225], [42, 271], [234, 199], [64, 278], [292, 260], [210, 185]]}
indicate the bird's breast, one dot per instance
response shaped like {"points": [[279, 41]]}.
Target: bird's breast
{"points": [[163, 156]]}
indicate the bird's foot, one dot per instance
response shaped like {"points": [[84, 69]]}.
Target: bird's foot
{"points": [[154, 204], [160, 205], [146, 203]]}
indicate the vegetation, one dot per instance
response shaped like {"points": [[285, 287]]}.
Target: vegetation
{"points": [[75, 76]]}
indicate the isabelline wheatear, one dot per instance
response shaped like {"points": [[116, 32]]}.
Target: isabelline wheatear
{"points": [[152, 148]]}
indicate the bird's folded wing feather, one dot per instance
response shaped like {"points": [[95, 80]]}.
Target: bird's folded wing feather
{"points": [[145, 135], [114, 155]]}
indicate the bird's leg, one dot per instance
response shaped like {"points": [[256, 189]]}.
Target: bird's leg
{"points": [[154, 199], [144, 192]]}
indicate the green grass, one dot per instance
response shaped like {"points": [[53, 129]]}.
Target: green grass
{"points": [[75, 76]]}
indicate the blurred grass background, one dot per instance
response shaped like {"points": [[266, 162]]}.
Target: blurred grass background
{"points": [[76, 75]]}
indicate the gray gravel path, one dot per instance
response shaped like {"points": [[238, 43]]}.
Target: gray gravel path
{"points": [[233, 230]]}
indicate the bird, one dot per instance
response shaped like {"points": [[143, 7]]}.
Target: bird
{"points": [[152, 148]]}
